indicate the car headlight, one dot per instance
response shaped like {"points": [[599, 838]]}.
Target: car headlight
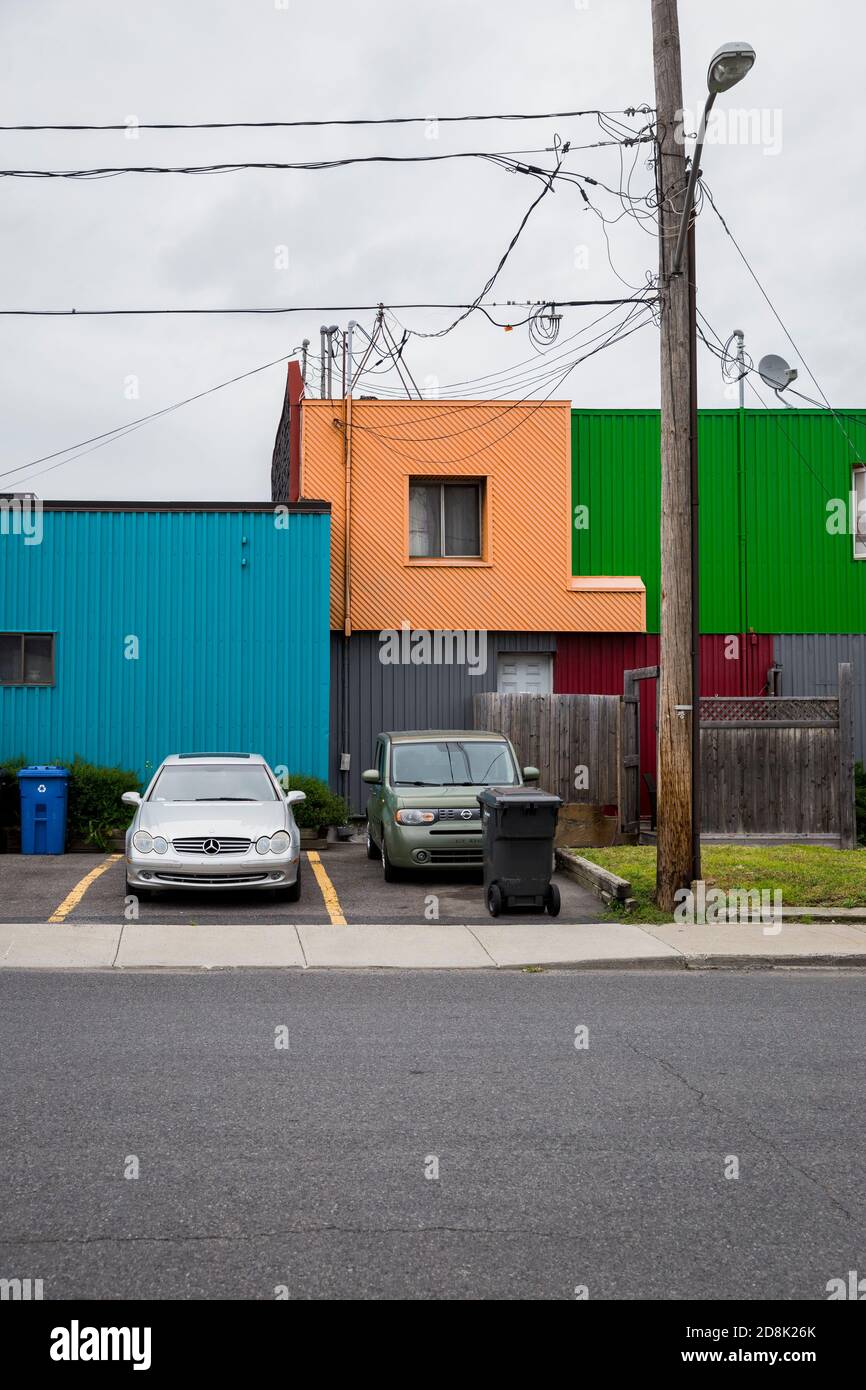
{"points": [[263, 844], [142, 841], [160, 845], [412, 817], [281, 842]]}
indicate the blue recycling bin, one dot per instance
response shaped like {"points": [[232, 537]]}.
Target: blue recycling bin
{"points": [[43, 809]]}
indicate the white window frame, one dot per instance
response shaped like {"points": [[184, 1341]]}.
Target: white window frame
{"points": [[858, 502], [442, 483]]}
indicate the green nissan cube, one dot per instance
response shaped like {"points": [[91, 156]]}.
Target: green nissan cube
{"points": [[423, 810]]}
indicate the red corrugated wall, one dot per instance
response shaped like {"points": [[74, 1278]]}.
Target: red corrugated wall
{"points": [[593, 664]]}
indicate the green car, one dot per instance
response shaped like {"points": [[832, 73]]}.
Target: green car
{"points": [[423, 811]]}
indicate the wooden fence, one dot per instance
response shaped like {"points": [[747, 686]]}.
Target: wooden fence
{"points": [[777, 768], [573, 740], [780, 767]]}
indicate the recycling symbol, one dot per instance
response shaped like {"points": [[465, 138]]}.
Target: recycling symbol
{"points": [[41, 788]]}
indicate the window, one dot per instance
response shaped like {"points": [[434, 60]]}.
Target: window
{"points": [[453, 763], [26, 658], [213, 782], [859, 500], [445, 519]]}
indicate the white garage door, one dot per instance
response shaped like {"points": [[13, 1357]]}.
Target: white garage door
{"points": [[525, 673]]}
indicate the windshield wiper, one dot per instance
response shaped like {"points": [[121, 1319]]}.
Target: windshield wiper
{"points": [[222, 798], [399, 782]]}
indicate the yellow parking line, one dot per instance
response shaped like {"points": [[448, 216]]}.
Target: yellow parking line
{"points": [[74, 898], [329, 892]]}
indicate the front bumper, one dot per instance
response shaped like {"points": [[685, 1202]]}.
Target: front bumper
{"points": [[202, 872], [433, 847]]}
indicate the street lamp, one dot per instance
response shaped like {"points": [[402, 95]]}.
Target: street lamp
{"points": [[728, 66]]}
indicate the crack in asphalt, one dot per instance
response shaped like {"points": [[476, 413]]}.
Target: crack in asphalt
{"points": [[703, 1099], [293, 1231]]}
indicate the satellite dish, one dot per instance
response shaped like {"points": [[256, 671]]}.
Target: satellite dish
{"points": [[775, 372]]}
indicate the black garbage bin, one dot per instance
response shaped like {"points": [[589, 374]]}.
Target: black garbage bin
{"points": [[518, 826]]}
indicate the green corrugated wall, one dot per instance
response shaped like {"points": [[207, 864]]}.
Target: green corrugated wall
{"points": [[768, 561]]}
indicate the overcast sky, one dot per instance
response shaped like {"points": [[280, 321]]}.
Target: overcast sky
{"points": [[793, 194]]}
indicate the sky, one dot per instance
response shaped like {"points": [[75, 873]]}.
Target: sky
{"points": [[395, 233]]}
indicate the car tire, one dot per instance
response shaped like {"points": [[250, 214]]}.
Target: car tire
{"points": [[291, 892], [389, 873], [552, 900], [494, 900], [372, 848]]}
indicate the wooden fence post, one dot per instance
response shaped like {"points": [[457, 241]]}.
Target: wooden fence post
{"points": [[847, 813]]}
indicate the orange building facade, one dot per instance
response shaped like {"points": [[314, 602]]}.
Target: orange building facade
{"points": [[447, 518], [377, 462]]}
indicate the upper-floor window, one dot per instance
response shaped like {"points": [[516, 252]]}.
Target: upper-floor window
{"points": [[859, 499], [445, 518], [26, 658]]}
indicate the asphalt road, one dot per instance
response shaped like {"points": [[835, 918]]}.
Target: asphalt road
{"points": [[33, 887], [304, 1166]]}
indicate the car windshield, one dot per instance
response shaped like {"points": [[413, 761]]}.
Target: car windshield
{"points": [[453, 763], [214, 782]]}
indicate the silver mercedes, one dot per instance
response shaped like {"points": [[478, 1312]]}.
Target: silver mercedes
{"points": [[214, 820]]}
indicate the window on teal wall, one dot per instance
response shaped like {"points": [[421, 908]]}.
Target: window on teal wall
{"points": [[26, 658]]}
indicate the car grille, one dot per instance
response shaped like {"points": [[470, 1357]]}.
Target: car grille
{"points": [[225, 845], [457, 813], [455, 856], [215, 881]]}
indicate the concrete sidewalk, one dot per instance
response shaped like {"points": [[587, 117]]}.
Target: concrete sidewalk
{"points": [[427, 946]]}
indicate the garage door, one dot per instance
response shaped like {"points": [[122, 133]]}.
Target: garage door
{"points": [[524, 673]]}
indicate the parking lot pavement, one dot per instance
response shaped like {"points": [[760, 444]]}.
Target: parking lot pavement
{"points": [[343, 886], [32, 886], [433, 896]]}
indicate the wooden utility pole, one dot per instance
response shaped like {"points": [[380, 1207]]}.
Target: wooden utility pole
{"points": [[674, 859]]}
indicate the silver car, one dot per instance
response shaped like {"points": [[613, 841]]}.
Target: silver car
{"points": [[214, 820]]}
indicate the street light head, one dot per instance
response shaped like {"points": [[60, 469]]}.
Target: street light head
{"points": [[729, 65]]}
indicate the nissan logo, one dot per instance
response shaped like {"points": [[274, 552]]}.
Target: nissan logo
{"points": [[466, 815], [211, 846]]}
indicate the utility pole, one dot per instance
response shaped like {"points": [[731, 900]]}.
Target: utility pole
{"points": [[676, 703]]}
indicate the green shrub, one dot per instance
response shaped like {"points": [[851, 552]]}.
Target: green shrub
{"points": [[860, 801], [322, 806], [95, 811]]}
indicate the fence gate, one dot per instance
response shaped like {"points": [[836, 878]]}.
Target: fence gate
{"points": [[629, 796]]}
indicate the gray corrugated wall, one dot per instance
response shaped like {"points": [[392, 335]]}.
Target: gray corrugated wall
{"points": [[381, 697], [810, 666]]}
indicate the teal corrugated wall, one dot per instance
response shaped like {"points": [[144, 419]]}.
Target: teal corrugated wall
{"points": [[231, 616], [768, 561]]}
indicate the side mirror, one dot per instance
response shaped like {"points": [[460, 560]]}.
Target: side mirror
{"points": [[131, 798], [371, 776], [295, 796], [531, 774]]}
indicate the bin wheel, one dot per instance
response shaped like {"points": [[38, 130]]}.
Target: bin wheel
{"points": [[494, 900], [552, 900]]}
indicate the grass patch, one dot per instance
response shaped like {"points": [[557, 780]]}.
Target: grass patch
{"points": [[808, 875]]}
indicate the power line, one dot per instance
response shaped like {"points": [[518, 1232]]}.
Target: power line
{"points": [[629, 111], [777, 315], [108, 435], [507, 159], [299, 309]]}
